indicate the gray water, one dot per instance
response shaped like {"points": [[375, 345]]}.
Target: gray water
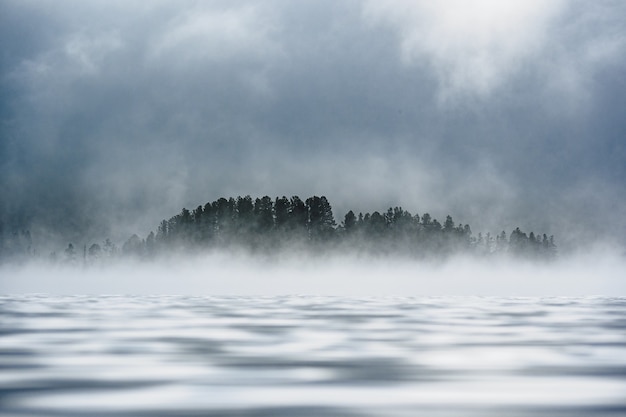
{"points": [[311, 356]]}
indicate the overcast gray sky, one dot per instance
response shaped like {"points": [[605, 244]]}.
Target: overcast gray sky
{"points": [[116, 114]]}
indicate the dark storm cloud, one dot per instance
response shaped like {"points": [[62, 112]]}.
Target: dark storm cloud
{"points": [[117, 114]]}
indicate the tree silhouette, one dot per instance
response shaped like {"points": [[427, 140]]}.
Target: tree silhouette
{"points": [[349, 222], [266, 226]]}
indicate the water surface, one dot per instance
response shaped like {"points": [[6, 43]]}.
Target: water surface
{"points": [[311, 356]]}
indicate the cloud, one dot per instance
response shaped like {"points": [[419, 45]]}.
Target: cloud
{"points": [[115, 115], [86, 53], [213, 35], [473, 47], [476, 48]]}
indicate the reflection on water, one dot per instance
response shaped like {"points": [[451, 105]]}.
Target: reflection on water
{"points": [[311, 356]]}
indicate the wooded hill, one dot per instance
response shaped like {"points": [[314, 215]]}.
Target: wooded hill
{"points": [[266, 225], [272, 226]]}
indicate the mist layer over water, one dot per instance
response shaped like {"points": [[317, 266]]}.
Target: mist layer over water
{"points": [[593, 273], [312, 356]]}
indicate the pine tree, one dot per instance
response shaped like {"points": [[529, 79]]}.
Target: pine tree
{"points": [[349, 222]]}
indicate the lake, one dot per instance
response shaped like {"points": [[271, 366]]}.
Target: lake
{"points": [[311, 356]]}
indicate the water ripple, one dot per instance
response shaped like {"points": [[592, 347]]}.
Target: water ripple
{"points": [[311, 356]]}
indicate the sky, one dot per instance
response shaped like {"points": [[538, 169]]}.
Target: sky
{"points": [[117, 114]]}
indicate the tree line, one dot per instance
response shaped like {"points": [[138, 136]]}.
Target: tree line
{"points": [[268, 226]]}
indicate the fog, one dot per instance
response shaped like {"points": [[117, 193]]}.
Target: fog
{"points": [[115, 115], [508, 116], [594, 273]]}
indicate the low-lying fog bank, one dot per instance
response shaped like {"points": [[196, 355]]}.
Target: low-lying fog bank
{"points": [[595, 273]]}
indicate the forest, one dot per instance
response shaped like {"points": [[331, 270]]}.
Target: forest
{"points": [[269, 226]]}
